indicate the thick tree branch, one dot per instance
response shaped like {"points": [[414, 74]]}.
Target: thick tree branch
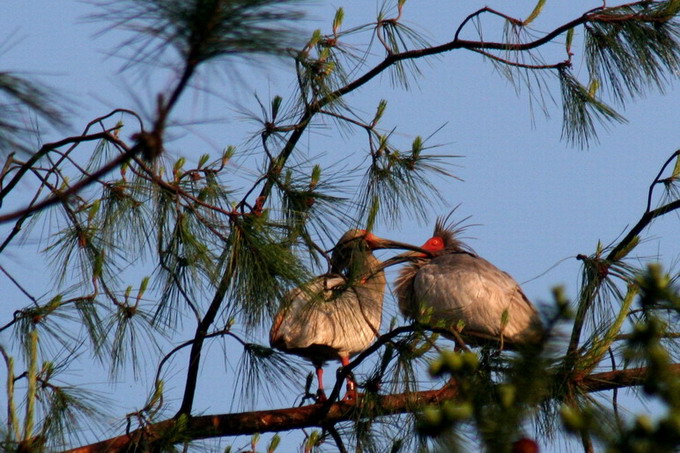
{"points": [[611, 380], [245, 423], [319, 415]]}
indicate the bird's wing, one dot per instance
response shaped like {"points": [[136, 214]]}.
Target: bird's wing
{"points": [[465, 287], [404, 287], [325, 312]]}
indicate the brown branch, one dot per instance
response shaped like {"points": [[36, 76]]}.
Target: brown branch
{"points": [[447, 47], [42, 152], [84, 136], [320, 415], [478, 13], [223, 425], [63, 195], [611, 380]]}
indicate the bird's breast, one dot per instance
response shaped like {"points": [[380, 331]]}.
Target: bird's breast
{"points": [[331, 315]]}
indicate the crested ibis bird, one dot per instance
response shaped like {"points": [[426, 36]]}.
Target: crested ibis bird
{"points": [[337, 315], [460, 289]]}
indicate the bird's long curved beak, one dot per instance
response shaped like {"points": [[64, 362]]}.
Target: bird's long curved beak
{"points": [[405, 257], [375, 242]]}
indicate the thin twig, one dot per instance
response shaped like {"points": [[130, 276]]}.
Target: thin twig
{"points": [[75, 188], [19, 286], [516, 64], [657, 180]]}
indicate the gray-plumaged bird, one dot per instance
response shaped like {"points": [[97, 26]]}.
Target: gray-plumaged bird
{"points": [[455, 287], [337, 315]]}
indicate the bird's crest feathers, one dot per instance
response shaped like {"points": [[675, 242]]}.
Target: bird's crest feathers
{"points": [[449, 232]]}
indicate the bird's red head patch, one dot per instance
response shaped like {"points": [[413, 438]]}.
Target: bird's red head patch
{"points": [[371, 239], [434, 244]]}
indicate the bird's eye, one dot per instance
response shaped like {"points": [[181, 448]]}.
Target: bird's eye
{"points": [[434, 244]]}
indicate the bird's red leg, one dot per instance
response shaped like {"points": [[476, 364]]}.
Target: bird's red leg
{"points": [[351, 393], [320, 393]]}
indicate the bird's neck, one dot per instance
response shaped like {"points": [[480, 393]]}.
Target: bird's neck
{"points": [[364, 269]]}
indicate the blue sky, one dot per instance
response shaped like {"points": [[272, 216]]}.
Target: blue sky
{"points": [[537, 201]]}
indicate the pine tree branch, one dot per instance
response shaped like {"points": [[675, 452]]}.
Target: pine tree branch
{"points": [[197, 345], [317, 415], [223, 425], [611, 380], [644, 221], [658, 180], [613, 255], [276, 165], [73, 189]]}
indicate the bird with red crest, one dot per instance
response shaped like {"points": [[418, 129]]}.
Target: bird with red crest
{"points": [[456, 289]]}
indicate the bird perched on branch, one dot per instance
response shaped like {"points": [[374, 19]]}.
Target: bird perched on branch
{"points": [[460, 291], [337, 315]]}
